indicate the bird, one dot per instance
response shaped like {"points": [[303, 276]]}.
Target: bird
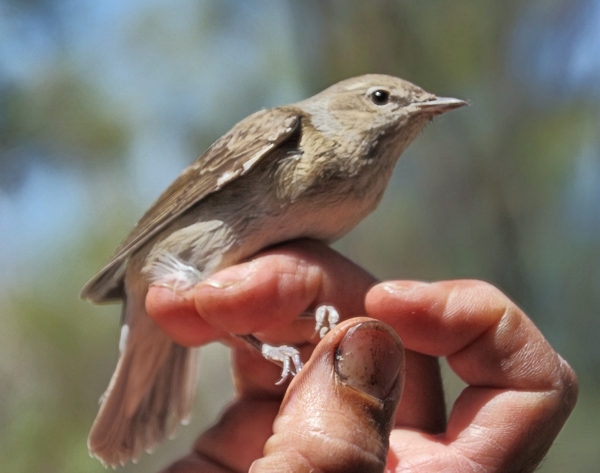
{"points": [[311, 169]]}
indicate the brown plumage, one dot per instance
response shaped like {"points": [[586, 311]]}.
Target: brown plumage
{"points": [[311, 169]]}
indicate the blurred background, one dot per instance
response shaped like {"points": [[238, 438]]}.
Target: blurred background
{"points": [[103, 103]]}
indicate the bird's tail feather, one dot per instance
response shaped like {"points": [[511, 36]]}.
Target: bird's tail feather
{"points": [[151, 391]]}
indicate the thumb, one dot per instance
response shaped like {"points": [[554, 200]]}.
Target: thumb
{"points": [[338, 411]]}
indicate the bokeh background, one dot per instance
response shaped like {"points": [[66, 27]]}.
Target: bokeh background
{"points": [[102, 103]]}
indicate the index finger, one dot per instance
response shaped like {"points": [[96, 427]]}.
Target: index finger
{"points": [[487, 339], [520, 390]]}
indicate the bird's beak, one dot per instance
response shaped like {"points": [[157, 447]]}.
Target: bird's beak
{"points": [[440, 105]]}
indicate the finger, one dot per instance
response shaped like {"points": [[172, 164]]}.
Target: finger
{"points": [[520, 392], [273, 289], [488, 340], [276, 286], [338, 411], [288, 280], [267, 292], [175, 313], [241, 432], [423, 405]]}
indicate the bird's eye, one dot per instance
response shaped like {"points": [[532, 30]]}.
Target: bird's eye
{"points": [[380, 96]]}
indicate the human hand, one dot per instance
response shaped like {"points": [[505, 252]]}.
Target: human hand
{"points": [[519, 395]]}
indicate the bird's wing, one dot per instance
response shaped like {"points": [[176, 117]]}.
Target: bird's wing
{"points": [[228, 158]]}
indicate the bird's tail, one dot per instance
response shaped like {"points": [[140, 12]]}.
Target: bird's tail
{"points": [[151, 391]]}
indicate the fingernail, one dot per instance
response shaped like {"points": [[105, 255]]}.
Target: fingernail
{"points": [[230, 276], [369, 358]]}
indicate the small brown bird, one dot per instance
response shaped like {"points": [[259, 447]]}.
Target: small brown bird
{"points": [[312, 169]]}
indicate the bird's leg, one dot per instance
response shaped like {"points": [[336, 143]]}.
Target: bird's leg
{"points": [[285, 356], [288, 357]]}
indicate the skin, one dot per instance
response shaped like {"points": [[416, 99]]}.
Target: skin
{"points": [[340, 415]]}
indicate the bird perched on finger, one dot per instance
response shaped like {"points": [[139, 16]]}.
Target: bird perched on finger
{"points": [[311, 169]]}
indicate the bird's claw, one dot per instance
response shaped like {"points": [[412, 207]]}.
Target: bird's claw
{"points": [[286, 356], [326, 317]]}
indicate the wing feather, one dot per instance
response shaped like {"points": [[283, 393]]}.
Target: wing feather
{"points": [[231, 156]]}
